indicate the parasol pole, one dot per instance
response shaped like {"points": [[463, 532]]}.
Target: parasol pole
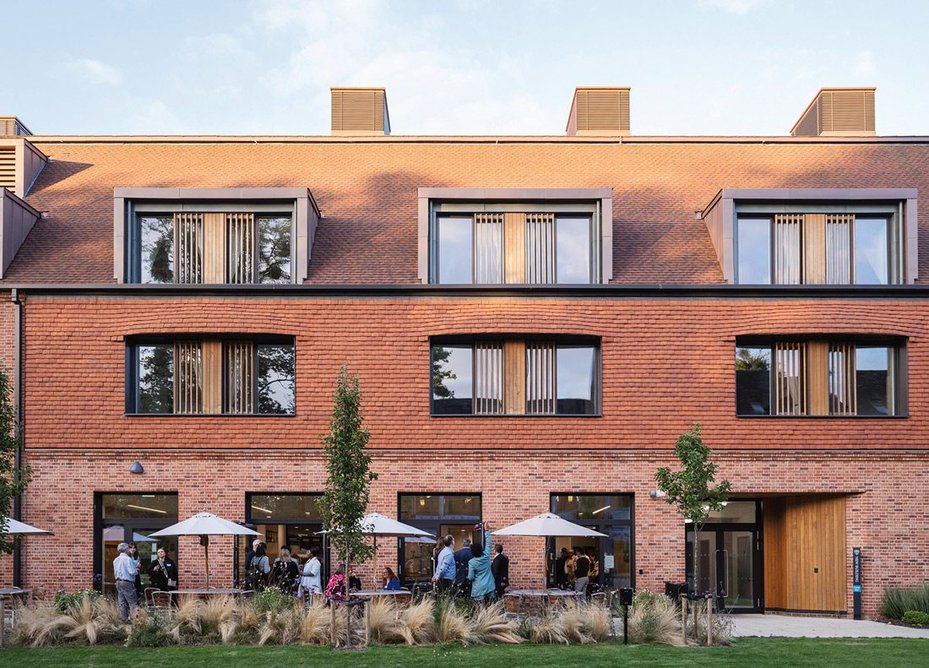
{"points": [[205, 542]]}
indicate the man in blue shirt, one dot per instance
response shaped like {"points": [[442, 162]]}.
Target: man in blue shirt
{"points": [[444, 577], [124, 569]]}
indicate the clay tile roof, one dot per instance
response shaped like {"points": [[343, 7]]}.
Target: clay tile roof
{"points": [[366, 191]]}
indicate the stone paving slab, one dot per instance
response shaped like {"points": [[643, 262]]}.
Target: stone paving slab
{"points": [[784, 626]]}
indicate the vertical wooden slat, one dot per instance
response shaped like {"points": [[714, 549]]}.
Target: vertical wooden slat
{"points": [[790, 386], [489, 247], [838, 228], [188, 374], [843, 399], [489, 373], [188, 248], [239, 395], [814, 243], [818, 372], [540, 248], [241, 260], [515, 247], [787, 245], [212, 380], [514, 361], [214, 247], [540, 374]]}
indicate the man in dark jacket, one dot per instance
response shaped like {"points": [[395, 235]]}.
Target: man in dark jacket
{"points": [[581, 571], [462, 557], [500, 567]]}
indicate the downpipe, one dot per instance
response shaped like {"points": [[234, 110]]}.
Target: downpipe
{"points": [[18, 419]]}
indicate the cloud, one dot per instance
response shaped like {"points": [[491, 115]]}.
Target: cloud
{"points": [[741, 7], [95, 71], [433, 87], [865, 66]]}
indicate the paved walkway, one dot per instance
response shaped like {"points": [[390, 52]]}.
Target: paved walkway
{"points": [[818, 627]]}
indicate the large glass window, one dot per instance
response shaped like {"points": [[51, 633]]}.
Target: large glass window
{"points": [[820, 377], [131, 517], [753, 380], [477, 378], [197, 247], [754, 251], [500, 245], [194, 376], [441, 515], [573, 249], [611, 558], [825, 247]]}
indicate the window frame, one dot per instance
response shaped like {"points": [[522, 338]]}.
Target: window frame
{"points": [[132, 376], [299, 202], [557, 340], [767, 211], [898, 370]]}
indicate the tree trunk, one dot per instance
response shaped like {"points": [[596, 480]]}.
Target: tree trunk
{"points": [[348, 610], [709, 621]]}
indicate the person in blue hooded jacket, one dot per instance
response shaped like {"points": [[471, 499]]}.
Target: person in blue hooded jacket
{"points": [[479, 573]]}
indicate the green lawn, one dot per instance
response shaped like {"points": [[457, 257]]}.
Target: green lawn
{"points": [[751, 652]]}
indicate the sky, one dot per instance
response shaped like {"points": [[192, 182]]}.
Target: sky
{"points": [[455, 67]]}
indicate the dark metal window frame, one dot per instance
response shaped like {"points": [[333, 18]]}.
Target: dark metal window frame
{"points": [[630, 522], [558, 340], [898, 370], [133, 344], [250, 519]]}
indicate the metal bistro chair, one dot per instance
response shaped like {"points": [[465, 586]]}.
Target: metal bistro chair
{"points": [[161, 601]]}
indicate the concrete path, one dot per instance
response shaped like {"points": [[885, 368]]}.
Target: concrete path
{"points": [[818, 627]]}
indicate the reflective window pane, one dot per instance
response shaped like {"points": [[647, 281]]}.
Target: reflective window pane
{"points": [[276, 374], [572, 253], [754, 251], [156, 236], [454, 248], [274, 249], [452, 386], [155, 373], [439, 507], [734, 512], [279, 508], [139, 506], [585, 507], [871, 262], [753, 381], [576, 369], [873, 380]]}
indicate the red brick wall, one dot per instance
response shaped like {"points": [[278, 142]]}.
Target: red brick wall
{"points": [[666, 364], [885, 515]]}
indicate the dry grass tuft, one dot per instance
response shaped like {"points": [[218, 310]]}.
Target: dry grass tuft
{"points": [[281, 627], [490, 625], [548, 630], [453, 625], [416, 624], [316, 624], [573, 621], [38, 626], [598, 621], [653, 619]]}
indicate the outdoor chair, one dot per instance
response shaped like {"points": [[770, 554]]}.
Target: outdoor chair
{"points": [[161, 601], [147, 595]]}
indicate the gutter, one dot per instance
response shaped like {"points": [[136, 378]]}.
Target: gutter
{"points": [[18, 418]]}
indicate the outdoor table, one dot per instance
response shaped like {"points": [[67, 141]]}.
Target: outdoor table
{"points": [[209, 593], [16, 597], [400, 595], [525, 600]]}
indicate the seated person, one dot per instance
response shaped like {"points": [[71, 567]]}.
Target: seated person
{"points": [[391, 581]]}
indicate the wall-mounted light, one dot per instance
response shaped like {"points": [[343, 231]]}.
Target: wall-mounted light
{"points": [[137, 468], [658, 494]]}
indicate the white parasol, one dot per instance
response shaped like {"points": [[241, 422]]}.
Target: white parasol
{"points": [[16, 528]]}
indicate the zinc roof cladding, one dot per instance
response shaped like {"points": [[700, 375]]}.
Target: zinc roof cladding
{"points": [[367, 192]]}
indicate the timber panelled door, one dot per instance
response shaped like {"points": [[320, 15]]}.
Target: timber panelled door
{"points": [[804, 553]]}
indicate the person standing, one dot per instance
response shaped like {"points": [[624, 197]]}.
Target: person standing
{"points": [[251, 554], [561, 564], [462, 557], [133, 553], [125, 571], [285, 572], [500, 567], [479, 574], [261, 566], [581, 571], [444, 577], [163, 572], [311, 583]]}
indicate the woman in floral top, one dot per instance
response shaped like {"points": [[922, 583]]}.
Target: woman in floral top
{"points": [[335, 590]]}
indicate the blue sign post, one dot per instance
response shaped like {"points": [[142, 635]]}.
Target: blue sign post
{"points": [[856, 580]]}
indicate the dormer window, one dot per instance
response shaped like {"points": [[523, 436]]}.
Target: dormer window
{"points": [[213, 236], [815, 236], [523, 237]]}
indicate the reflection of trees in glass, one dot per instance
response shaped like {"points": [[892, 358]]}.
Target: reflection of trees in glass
{"points": [[273, 249], [156, 379], [157, 249], [441, 373], [276, 370], [752, 359]]}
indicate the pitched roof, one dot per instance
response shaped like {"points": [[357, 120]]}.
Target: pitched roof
{"points": [[367, 189]]}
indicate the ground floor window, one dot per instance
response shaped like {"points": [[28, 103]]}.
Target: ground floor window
{"points": [[293, 521], [611, 558], [440, 515], [131, 518]]}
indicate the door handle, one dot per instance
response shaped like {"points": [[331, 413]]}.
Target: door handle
{"points": [[725, 579]]}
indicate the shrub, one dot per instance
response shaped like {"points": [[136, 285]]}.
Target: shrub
{"points": [[417, 623], [452, 624], [916, 617], [148, 630], [38, 626], [315, 627], [272, 598], [548, 630], [490, 625], [653, 619], [64, 601], [898, 601]]}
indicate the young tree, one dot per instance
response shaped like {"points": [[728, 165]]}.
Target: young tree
{"points": [[692, 489], [345, 501], [13, 480]]}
